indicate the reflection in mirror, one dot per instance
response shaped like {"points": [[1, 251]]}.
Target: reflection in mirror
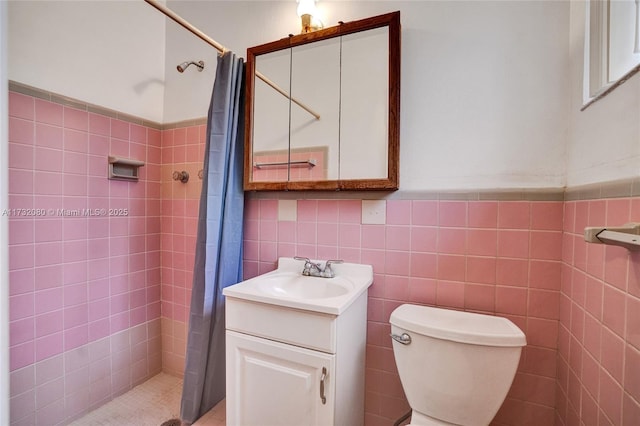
{"points": [[337, 125], [315, 78], [271, 123], [290, 165], [363, 107]]}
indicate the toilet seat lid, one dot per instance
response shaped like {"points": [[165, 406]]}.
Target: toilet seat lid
{"points": [[458, 326]]}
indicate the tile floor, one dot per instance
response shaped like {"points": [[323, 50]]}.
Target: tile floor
{"points": [[149, 404]]}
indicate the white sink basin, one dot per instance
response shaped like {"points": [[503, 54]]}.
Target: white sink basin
{"points": [[286, 286], [297, 286]]}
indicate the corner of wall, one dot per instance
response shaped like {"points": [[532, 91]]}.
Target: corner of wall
{"points": [[4, 222]]}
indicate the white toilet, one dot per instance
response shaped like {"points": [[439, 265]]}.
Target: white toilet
{"points": [[455, 367]]}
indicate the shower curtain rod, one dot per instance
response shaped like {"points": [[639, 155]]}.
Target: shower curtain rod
{"points": [[220, 48]]}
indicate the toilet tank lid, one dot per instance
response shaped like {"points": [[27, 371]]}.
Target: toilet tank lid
{"points": [[457, 326]]}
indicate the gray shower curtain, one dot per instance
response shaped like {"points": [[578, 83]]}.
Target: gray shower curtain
{"points": [[218, 261]]}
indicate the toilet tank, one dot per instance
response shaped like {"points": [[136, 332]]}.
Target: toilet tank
{"points": [[459, 366]]}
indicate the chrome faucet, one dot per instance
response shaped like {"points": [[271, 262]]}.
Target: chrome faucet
{"points": [[312, 269]]}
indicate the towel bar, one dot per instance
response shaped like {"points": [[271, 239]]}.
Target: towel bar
{"points": [[627, 236]]}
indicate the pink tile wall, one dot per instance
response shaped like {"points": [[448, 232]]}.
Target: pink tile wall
{"points": [[85, 291], [182, 150], [496, 257], [487, 256], [507, 258], [77, 279], [501, 258], [598, 347]]}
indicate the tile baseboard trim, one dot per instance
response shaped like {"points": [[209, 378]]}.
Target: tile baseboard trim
{"points": [[551, 194], [623, 188]]}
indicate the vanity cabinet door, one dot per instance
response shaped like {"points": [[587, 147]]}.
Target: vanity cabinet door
{"points": [[271, 383]]}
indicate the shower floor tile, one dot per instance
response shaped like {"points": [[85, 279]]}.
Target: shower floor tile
{"points": [[149, 404]]}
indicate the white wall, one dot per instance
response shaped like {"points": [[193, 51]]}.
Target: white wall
{"points": [[484, 97], [4, 222], [109, 53], [236, 25], [604, 142], [485, 85]]}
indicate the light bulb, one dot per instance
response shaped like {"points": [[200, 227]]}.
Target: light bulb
{"points": [[306, 7]]}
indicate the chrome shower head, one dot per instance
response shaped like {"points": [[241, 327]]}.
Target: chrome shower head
{"points": [[183, 66]]}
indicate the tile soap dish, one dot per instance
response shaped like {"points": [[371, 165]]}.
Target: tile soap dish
{"points": [[124, 168]]}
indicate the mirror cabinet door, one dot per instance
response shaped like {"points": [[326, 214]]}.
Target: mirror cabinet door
{"points": [[315, 142], [364, 103], [270, 154]]}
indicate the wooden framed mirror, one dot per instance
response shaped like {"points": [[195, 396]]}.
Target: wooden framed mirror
{"points": [[322, 109]]}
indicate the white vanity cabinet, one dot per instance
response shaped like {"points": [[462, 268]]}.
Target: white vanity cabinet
{"points": [[288, 366]]}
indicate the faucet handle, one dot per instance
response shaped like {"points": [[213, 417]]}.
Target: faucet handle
{"points": [[308, 265], [328, 272]]}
